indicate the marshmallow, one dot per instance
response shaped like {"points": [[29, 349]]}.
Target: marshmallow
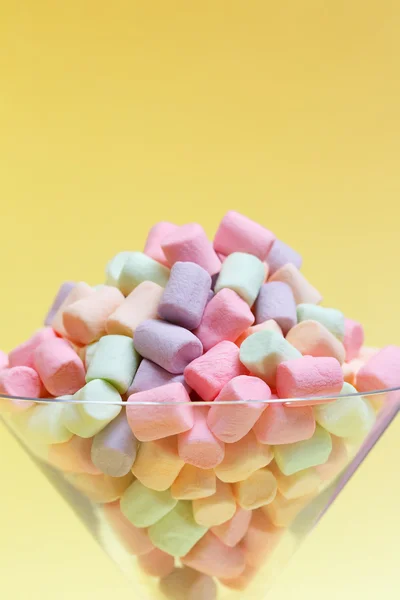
{"points": [[233, 531], [115, 266], [225, 318], [140, 305], [351, 416], [314, 339], [263, 351], [336, 462], [114, 448], [261, 538], [159, 413], [169, 346], [212, 557], [78, 292], [267, 325], [243, 458], [282, 512], [149, 376], [237, 233], [156, 563], [158, 464], [99, 407], [59, 367], [21, 382], [353, 338], [257, 490], [292, 458], [185, 295], [138, 268], [100, 488], [143, 507], [276, 301], [73, 456], [280, 424], [187, 584], [216, 509], [62, 293], [280, 255], [115, 360], [242, 273], [156, 234], [303, 291], [243, 581], [45, 424], [189, 243], [331, 318], [135, 541], [85, 320], [177, 532], [193, 483], [297, 485], [232, 422], [309, 376], [381, 371], [198, 446], [208, 374], [88, 353], [23, 355]]}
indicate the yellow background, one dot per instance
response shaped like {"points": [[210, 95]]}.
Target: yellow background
{"points": [[117, 114]]}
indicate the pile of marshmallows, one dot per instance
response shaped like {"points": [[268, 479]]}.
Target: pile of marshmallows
{"points": [[184, 333]]}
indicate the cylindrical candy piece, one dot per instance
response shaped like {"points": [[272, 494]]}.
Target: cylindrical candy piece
{"points": [[73, 456], [114, 449], [299, 484], [314, 339], [21, 382], [135, 541], [280, 255], [233, 531], [141, 304], [281, 424], [267, 325], [337, 460], [45, 424], [189, 243], [275, 301], [261, 538], [177, 532], [79, 291], [156, 563], [59, 367], [158, 464], [331, 318], [62, 293], [144, 507], [157, 233], [353, 338], [138, 268], [282, 512], [115, 266], [302, 289], [199, 446], [381, 371], [212, 557], [193, 483], [23, 355], [309, 376], [243, 458], [185, 295], [101, 489], [149, 376], [115, 360], [188, 584], [169, 346], [237, 233], [257, 490], [292, 458], [216, 509], [244, 274]]}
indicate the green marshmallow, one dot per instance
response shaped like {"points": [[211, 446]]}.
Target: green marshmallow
{"points": [[138, 268], [177, 532], [144, 507], [331, 318], [292, 458], [115, 360], [346, 417], [115, 266], [45, 423], [244, 274]]}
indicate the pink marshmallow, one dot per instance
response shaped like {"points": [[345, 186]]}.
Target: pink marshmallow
{"points": [[281, 424], [208, 374], [261, 539], [237, 233], [59, 367], [280, 255], [156, 563], [303, 291], [3, 360], [353, 339], [22, 355], [189, 243], [234, 530], [171, 412], [381, 371], [276, 301], [212, 557], [225, 318], [309, 376], [199, 447], [156, 235], [62, 294], [232, 422], [135, 541], [266, 326], [21, 382], [73, 456]]}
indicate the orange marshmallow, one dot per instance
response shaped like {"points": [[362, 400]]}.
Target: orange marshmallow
{"points": [[302, 483], [73, 456], [260, 540], [232, 532], [156, 563], [187, 584], [336, 462], [158, 463], [212, 557], [79, 291], [243, 458], [134, 540], [100, 488], [243, 581], [314, 339], [303, 291], [216, 509], [282, 511], [141, 304], [257, 490], [193, 483]]}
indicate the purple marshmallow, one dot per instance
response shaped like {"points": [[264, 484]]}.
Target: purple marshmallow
{"points": [[62, 293], [114, 448], [169, 346], [149, 376], [281, 254], [185, 295], [276, 301]]}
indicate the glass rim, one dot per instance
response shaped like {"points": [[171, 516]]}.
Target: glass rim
{"points": [[303, 401]]}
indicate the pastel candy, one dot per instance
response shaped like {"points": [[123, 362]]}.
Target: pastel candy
{"points": [[156, 234], [79, 291], [280, 255], [351, 416], [169, 346], [114, 448], [141, 304], [62, 293], [282, 512], [302, 289], [73, 456], [244, 274], [257, 490], [177, 532], [353, 338], [232, 422], [269, 325], [149, 376], [3, 360], [99, 405], [171, 412], [193, 483], [237, 233], [158, 464], [337, 460], [233, 531], [309, 376], [381, 371], [212, 557], [59, 367], [115, 266], [314, 339], [295, 457], [100, 488], [263, 351], [45, 424], [281, 424], [23, 355], [198, 446], [144, 507], [216, 509], [185, 295], [21, 382], [115, 360], [208, 374], [243, 458], [243, 581], [261, 538], [189, 243], [299, 484], [351, 369], [276, 301], [138, 268], [331, 318], [187, 584], [156, 563], [135, 541], [225, 318]]}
